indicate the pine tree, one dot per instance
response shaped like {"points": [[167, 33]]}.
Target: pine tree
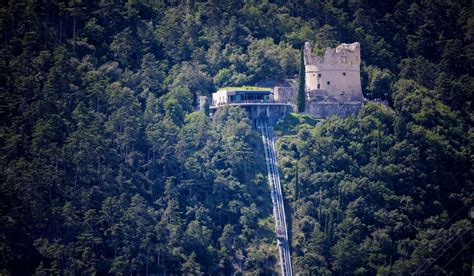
{"points": [[191, 266], [301, 99]]}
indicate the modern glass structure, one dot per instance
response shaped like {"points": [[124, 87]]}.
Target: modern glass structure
{"points": [[259, 102]]}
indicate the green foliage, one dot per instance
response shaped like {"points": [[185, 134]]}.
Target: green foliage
{"points": [[374, 189], [379, 83], [106, 169], [301, 96], [246, 88], [290, 124]]}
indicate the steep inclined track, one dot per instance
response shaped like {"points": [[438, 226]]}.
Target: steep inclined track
{"points": [[277, 198]]}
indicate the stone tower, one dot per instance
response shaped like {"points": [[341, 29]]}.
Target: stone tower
{"points": [[334, 77]]}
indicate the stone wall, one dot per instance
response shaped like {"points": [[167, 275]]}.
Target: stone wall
{"points": [[286, 95], [323, 95], [202, 102], [319, 103], [326, 109]]}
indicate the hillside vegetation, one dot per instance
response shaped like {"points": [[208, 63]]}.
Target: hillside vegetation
{"points": [[106, 168]]}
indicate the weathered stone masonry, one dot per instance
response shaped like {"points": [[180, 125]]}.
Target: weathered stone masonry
{"points": [[332, 82]]}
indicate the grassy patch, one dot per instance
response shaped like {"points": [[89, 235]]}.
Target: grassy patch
{"points": [[292, 122], [246, 88]]}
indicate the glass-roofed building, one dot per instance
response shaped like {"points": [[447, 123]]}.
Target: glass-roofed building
{"points": [[258, 102], [232, 95]]}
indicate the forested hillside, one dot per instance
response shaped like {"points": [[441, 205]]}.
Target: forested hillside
{"points": [[381, 192], [106, 167]]}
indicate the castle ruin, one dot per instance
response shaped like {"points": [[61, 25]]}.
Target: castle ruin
{"points": [[332, 87], [336, 75], [332, 83]]}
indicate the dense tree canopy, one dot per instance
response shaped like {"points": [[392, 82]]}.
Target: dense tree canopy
{"points": [[106, 167], [381, 192]]}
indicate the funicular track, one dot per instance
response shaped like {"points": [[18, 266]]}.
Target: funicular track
{"points": [[277, 198]]}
